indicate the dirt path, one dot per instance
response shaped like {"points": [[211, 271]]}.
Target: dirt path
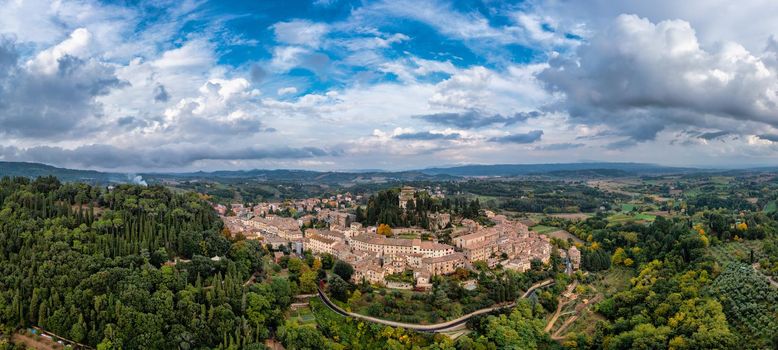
{"points": [[579, 310], [773, 282], [559, 307]]}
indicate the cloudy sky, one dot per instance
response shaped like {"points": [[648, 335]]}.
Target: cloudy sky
{"points": [[396, 84]]}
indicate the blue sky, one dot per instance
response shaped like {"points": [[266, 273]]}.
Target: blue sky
{"points": [[337, 85]]}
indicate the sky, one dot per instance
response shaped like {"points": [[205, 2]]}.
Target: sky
{"points": [[402, 84]]}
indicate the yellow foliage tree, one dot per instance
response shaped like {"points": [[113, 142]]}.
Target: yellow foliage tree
{"points": [[384, 229], [742, 226], [705, 240], [618, 256]]}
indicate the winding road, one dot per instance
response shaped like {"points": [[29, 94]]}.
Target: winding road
{"points": [[430, 328]]}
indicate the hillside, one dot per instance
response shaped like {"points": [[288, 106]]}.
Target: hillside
{"points": [[33, 170]]}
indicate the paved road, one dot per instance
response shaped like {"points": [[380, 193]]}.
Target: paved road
{"points": [[433, 328]]}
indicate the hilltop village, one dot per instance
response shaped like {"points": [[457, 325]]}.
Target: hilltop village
{"points": [[439, 244]]}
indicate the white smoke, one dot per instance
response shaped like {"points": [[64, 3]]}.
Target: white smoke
{"points": [[137, 180]]}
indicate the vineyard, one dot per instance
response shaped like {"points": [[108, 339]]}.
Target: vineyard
{"points": [[749, 302]]}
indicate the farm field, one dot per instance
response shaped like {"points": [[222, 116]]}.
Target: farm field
{"points": [[624, 218], [572, 216]]}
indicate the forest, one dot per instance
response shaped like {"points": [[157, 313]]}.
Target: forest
{"points": [[384, 208], [129, 267]]}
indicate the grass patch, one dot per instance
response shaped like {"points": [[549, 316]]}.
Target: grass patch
{"points": [[619, 218], [626, 207], [646, 217], [623, 218]]}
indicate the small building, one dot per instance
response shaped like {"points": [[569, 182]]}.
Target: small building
{"points": [[423, 280], [575, 257]]}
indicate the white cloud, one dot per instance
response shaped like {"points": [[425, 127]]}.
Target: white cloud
{"points": [[287, 57], [488, 90], [372, 42], [640, 77], [287, 91], [300, 32], [77, 45], [103, 81], [748, 22], [193, 53]]}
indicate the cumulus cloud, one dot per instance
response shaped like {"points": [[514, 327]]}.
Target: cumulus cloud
{"points": [[521, 138], [77, 45], [474, 119], [640, 77], [222, 107], [54, 99]]}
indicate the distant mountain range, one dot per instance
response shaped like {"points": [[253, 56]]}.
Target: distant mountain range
{"points": [[558, 170], [304, 176], [507, 170]]}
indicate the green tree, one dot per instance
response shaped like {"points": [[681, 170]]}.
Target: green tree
{"points": [[343, 269]]}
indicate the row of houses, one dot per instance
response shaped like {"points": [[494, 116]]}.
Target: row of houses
{"points": [[374, 257], [508, 243]]}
